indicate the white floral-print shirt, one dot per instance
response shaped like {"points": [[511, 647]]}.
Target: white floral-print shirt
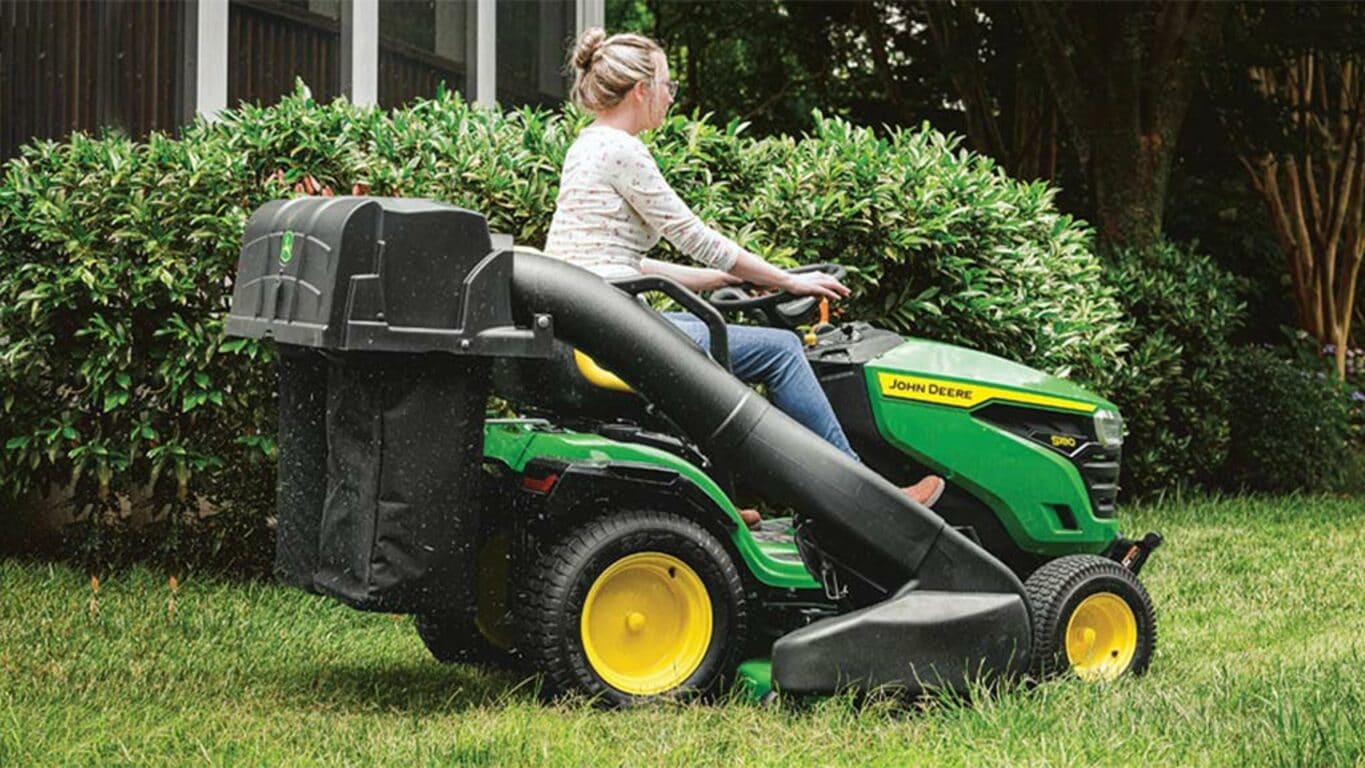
{"points": [[614, 204]]}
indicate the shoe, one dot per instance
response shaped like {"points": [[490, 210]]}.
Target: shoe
{"points": [[927, 491], [750, 517]]}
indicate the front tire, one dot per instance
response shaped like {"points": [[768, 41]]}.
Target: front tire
{"points": [[1091, 616], [632, 606]]}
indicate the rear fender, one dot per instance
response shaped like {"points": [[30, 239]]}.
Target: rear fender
{"points": [[582, 490], [587, 489]]}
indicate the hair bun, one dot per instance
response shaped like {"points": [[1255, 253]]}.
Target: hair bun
{"points": [[589, 43]]}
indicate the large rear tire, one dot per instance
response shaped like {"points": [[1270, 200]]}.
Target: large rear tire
{"points": [[456, 639], [456, 636], [632, 606], [1091, 616]]}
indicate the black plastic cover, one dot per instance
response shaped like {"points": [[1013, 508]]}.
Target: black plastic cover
{"points": [[378, 274], [388, 312], [920, 640]]}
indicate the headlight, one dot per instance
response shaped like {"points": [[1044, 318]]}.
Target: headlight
{"points": [[1109, 428]]}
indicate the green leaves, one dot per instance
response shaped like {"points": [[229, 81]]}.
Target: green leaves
{"points": [[946, 245], [118, 260], [114, 267], [1289, 424], [1175, 381]]}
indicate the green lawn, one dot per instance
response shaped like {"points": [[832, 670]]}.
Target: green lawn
{"points": [[1261, 606]]}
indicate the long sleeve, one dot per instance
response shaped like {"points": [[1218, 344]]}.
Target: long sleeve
{"points": [[644, 188]]}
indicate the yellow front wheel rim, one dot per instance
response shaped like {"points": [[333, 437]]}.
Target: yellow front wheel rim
{"points": [[646, 623], [1101, 637]]}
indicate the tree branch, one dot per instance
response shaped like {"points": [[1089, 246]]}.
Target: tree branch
{"points": [[867, 16], [945, 20], [1354, 247], [1348, 124], [1042, 25], [1300, 265], [769, 102]]}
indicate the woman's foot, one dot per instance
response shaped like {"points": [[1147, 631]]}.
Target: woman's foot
{"points": [[927, 491]]}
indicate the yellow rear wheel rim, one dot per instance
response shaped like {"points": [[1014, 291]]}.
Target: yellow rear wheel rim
{"points": [[492, 564], [1101, 637], [646, 623]]}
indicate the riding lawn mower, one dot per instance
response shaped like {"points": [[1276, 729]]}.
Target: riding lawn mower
{"points": [[596, 541]]}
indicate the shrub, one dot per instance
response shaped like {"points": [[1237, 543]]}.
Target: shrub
{"points": [[1290, 427], [1305, 353], [1173, 387], [945, 245], [115, 256], [116, 262], [1354, 385]]}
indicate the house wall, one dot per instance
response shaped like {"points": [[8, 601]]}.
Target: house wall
{"points": [[68, 66], [143, 65]]}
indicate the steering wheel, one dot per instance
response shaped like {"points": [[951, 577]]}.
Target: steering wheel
{"points": [[778, 308]]}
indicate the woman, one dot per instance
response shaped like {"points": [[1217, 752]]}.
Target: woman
{"points": [[614, 205]]}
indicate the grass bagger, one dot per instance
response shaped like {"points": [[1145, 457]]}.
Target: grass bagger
{"points": [[597, 541]]}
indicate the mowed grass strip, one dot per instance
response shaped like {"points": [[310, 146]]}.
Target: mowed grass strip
{"points": [[1260, 663]]}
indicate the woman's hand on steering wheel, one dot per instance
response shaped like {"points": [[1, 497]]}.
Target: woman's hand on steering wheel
{"points": [[800, 291], [821, 284]]}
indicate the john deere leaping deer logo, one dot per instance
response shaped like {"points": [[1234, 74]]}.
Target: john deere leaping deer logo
{"points": [[286, 247]]}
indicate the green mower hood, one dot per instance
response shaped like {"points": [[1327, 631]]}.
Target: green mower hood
{"points": [[1024, 442], [958, 377]]}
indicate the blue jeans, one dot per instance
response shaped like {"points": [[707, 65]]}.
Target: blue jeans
{"points": [[774, 358]]}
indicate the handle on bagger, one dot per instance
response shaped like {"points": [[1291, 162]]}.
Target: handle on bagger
{"points": [[715, 323]]}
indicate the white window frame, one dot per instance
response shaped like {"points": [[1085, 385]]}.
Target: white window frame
{"points": [[205, 36], [360, 51], [591, 13], [206, 54]]}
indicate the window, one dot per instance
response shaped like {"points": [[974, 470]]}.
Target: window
{"points": [[423, 43], [272, 42], [533, 46]]}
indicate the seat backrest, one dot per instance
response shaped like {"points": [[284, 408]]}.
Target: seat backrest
{"points": [[598, 376], [569, 385]]}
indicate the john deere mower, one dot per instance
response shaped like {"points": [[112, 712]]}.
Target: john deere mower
{"points": [[597, 541]]}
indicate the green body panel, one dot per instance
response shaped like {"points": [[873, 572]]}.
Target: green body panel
{"points": [[515, 442], [1015, 477], [506, 439], [945, 361], [755, 678]]}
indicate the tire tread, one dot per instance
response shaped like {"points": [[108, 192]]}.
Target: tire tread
{"points": [[548, 583], [1048, 589]]}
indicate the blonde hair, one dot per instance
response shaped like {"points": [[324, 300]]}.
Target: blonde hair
{"points": [[606, 68]]}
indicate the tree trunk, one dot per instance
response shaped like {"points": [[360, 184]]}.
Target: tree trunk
{"points": [[1123, 75], [1315, 195], [1129, 176]]}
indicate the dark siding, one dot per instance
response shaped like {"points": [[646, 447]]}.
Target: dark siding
{"points": [[82, 65], [87, 64], [269, 44], [407, 73]]}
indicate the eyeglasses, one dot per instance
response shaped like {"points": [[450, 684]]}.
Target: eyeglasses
{"points": [[672, 86]]}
